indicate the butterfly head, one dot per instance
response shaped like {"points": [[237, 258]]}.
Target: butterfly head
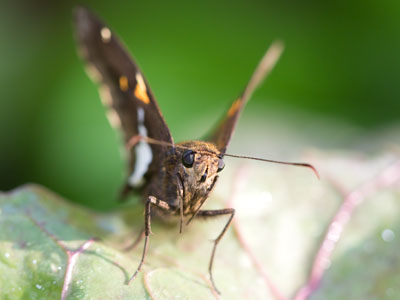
{"points": [[200, 162]]}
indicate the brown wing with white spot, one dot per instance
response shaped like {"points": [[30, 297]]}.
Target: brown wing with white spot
{"points": [[222, 134], [124, 91]]}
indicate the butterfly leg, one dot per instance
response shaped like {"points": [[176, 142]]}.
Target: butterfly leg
{"points": [[147, 227], [215, 213]]}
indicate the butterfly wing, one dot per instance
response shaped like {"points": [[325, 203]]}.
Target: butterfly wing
{"points": [[125, 92], [222, 133]]}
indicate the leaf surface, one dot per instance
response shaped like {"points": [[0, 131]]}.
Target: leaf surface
{"points": [[50, 248]]}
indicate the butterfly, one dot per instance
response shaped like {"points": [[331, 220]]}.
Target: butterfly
{"points": [[174, 179]]}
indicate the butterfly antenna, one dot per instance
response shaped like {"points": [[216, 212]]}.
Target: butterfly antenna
{"points": [[297, 164], [156, 142]]}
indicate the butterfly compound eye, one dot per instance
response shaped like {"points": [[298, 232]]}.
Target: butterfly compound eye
{"points": [[221, 165], [188, 158]]}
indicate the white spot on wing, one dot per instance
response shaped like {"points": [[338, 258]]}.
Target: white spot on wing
{"points": [[144, 155], [105, 34], [93, 73], [105, 95], [113, 118]]}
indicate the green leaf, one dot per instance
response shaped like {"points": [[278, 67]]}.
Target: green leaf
{"points": [[50, 247]]}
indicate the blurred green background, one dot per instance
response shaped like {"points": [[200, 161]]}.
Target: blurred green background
{"points": [[341, 63]]}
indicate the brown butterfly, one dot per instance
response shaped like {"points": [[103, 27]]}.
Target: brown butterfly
{"points": [[174, 179]]}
